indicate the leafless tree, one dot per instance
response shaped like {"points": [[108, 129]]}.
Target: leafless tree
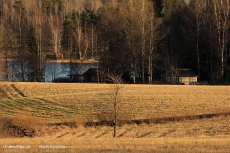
{"points": [[222, 14], [115, 98], [135, 20], [55, 23], [198, 8]]}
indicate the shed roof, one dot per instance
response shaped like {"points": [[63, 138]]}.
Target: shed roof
{"points": [[91, 70], [185, 73]]}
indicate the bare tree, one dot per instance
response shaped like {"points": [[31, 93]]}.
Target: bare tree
{"points": [[36, 49], [55, 23], [154, 37], [198, 8], [18, 20], [134, 22], [222, 14], [79, 33], [115, 99], [8, 42]]}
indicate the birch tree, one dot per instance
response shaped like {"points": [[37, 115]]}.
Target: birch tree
{"points": [[132, 21], [143, 40], [222, 17], [55, 23], [199, 8], [19, 23]]}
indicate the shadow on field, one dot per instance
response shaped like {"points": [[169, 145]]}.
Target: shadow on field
{"points": [[146, 121], [178, 118], [28, 126]]}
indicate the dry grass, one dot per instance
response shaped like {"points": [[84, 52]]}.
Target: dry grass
{"points": [[82, 145], [208, 128], [3, 93], [206, 135], [62, 101], [76, 104]]}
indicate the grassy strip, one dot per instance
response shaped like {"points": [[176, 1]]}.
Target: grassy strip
{"points": [[122, 145]]}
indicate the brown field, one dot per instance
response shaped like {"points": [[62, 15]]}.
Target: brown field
{"points": [[56, 103]]}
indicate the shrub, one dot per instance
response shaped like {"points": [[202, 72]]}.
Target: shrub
{"points": [[3, 92], [75, 122], [19, 126]]}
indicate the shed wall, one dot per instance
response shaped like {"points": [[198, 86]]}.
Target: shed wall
{"points": [[187, 80]]}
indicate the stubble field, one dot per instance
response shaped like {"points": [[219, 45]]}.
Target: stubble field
{"points": [[57, 103]]}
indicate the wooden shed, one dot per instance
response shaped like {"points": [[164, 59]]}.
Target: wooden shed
{"points": [[181, 76], [90, 75]]}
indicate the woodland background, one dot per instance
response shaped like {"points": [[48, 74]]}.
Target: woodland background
{"points": [[142, 39]]}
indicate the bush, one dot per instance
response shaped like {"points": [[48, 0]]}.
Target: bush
{"points": [[19, 126], [3, 92], [75, 122]]}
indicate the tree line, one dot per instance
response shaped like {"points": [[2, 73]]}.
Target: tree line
{"points": [[141, 39]]}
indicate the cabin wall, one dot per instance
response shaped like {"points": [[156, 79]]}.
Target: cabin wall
{"points": [[187, 80]]}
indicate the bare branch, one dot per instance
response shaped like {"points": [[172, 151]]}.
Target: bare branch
{"points": [[117, 79]]}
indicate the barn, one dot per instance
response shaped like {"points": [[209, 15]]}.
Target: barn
{"points": [[181, 76]]}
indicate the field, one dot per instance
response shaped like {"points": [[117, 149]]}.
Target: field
{"points": [[164, 118]]}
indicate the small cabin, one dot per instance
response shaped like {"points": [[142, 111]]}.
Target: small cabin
{"points": [[183, 76], [90, 75]]}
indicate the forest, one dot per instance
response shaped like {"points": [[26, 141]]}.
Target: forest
{"points": [[141, 39]]}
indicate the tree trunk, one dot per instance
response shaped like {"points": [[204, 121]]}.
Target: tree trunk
{"points": [[92, 40], [115, 118], [198, 55], [143, 41], [221, 11]]}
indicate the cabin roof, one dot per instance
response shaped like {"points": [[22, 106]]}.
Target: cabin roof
{"points": [[185, 72], [91, 70]]}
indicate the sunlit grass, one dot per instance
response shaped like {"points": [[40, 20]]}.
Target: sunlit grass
{"points": [[57, 101], [82, 145], [80, 103]]}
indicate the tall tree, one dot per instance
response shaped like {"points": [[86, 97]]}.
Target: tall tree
{"points": [[176, 44], [19, 26], [55, 23], [35, 45], [158, 5], [131, 23], [199, 9], [222, 17], [68, 34]]}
